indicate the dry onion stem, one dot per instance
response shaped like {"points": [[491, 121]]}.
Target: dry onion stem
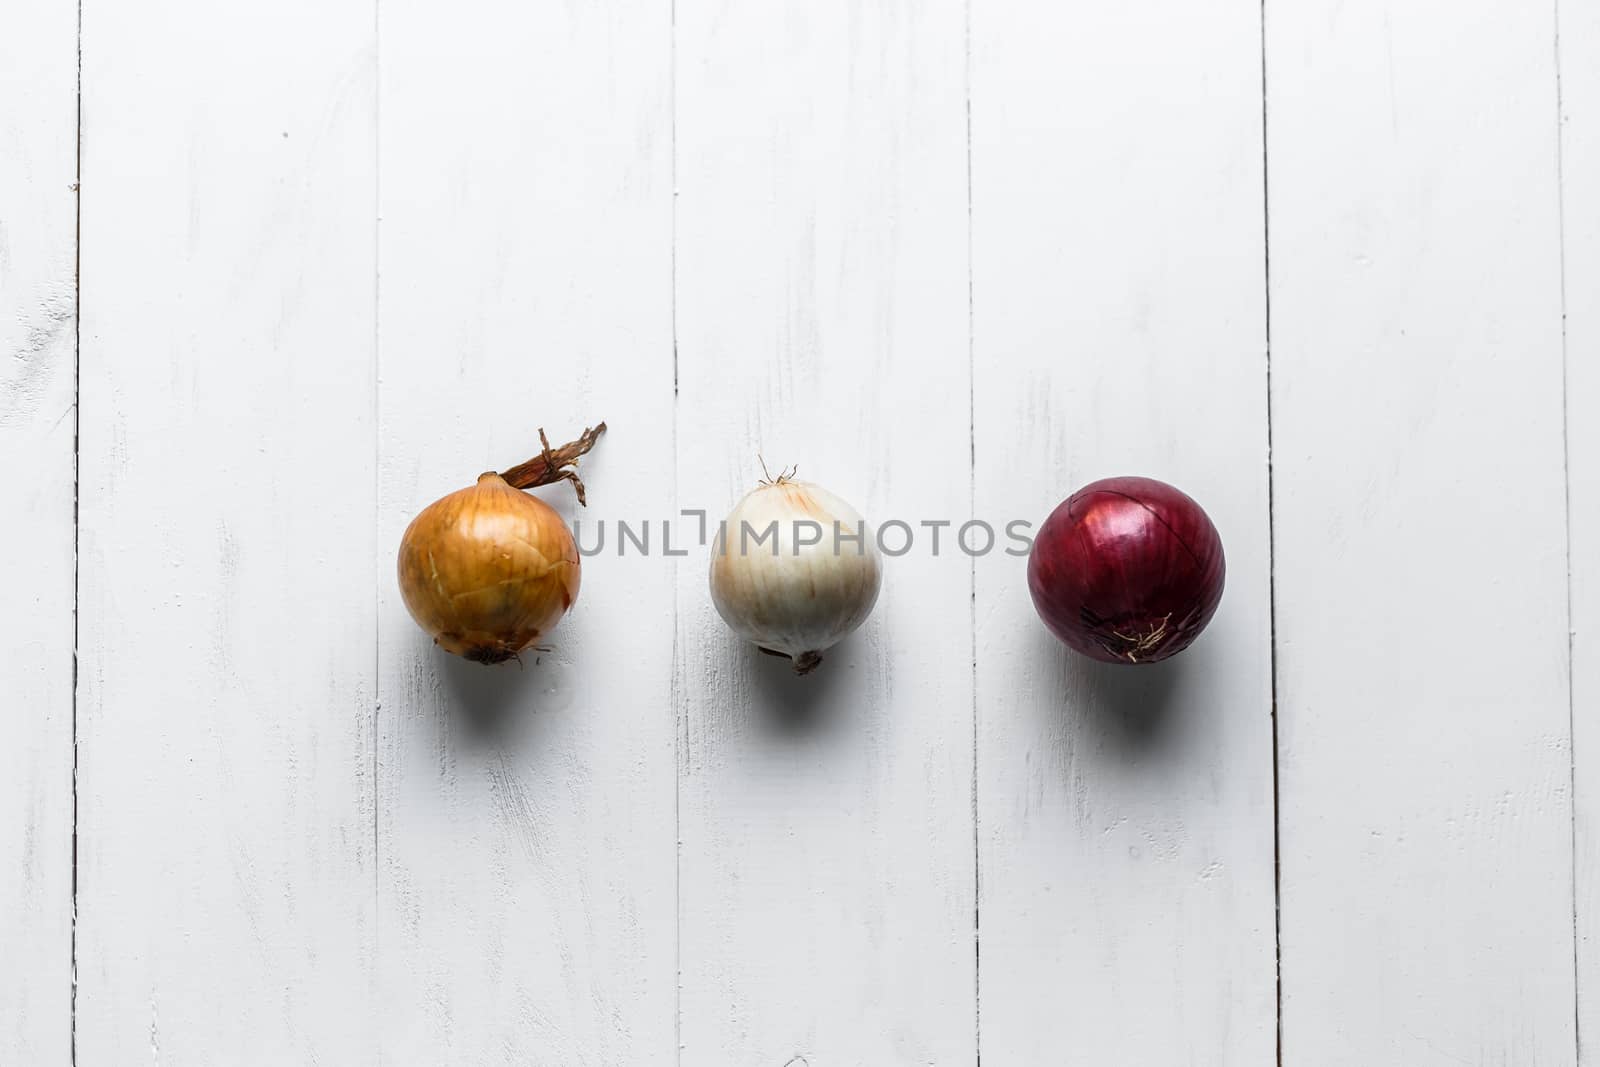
{"points": [[489, 569], [554, 464]]}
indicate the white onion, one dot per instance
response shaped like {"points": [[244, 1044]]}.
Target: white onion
{"points": [[788, 595]]}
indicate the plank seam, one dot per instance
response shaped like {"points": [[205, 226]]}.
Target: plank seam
{"points": [[680, 714], [972, 571], [377, 487], [1272, 552], [77, 525], [1566, 478]]}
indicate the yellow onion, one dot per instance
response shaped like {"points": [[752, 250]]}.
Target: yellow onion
{"points": [[489, 570]]}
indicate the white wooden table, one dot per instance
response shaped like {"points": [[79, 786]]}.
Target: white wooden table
{"points": [[275, 275]]}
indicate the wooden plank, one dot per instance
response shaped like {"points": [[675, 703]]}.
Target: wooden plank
{"points": [[826, 861], [1425, 815], [1579, 58], [527, 840], [38, 320], [227, 623], [1124, 814]]}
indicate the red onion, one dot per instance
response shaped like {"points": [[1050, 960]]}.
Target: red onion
{"points": [[1127, 570]]}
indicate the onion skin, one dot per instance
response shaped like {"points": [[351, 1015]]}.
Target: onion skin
{"points": [[806, 598], [488, 570], [1127, 570]]}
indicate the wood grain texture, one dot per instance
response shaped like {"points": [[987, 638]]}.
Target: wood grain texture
{"points": [[227, 624], [1421, 574], [1580, 154], [38, 319], [1124, 814], [826, 867], [526, 836], [954, 260]]}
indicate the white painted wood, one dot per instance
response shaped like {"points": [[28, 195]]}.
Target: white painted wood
{"points": [[306, 836], [526, 838], [1424, 758], [38, 317], [826, 864], [1124, 814], [1580, 155], [226, 817]]}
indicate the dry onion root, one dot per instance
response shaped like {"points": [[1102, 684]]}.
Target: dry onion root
{"points": [[489, 569]]}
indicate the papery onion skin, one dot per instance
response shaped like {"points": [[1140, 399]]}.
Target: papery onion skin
{"points": [[488, 570], [796, 605], [1127, 570]]}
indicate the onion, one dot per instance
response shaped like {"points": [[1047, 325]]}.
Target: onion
{"points": [[488, 570], [1127, 570], [800, 590]]}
